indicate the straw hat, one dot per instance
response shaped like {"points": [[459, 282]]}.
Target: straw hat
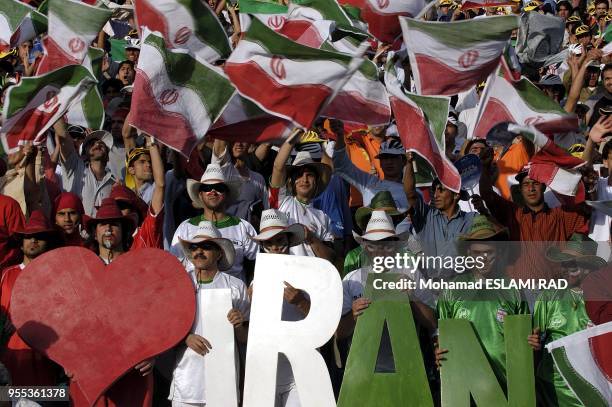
{"points": [[484, 228], [383, 201], [579, 248], [304, 158], [380, 226], [206, 231], [213, 175], [274, 222]]}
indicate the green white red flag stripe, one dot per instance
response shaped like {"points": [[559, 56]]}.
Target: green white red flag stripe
{"points": [[283, 78], [35, 103], [176, 105], [242, 120], [552, 165], [89, 113], [584, 361], [73, 25], [272, 14], [382, 15], [19, 22], [363, 99], [468, 4], [188, 24], [421, 121], [449, 58], [519, 102]]}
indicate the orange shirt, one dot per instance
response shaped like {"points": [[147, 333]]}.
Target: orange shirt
{"points": [[361, 148]]}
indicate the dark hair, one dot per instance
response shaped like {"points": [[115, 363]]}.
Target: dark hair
{"points": [[601, 1], [566, 4], [607, 67], [126, 62]]}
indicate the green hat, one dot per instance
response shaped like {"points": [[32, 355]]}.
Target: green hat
{"points": [[382, 201], [483, 228], [580, 248]]}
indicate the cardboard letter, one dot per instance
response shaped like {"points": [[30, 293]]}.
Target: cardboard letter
{"points": [[220, 373], [408, 386], [466, 369], [299, 340]]}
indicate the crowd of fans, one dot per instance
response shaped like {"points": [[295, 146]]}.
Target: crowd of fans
{"points": [[335, 191]]}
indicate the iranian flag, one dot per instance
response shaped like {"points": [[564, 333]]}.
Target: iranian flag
{"points": [[296, 82], [279, 18], [382, 15], [189, 24], [519, 102], [449, 58], [552, 165], [73, 25], [468, 4], [242, 120], [421, 122], [584, 360], [176, 96], [33, 105], [346, 36], [19, 23], [90, 112]]}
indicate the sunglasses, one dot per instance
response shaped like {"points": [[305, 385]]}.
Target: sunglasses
{"points": [[219, 188], [203, 245]]}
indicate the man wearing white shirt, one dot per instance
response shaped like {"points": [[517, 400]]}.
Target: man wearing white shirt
{"points": [[213, 193], [209, 255], [304, 180]]}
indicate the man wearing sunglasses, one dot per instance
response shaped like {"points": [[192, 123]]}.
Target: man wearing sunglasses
{"points": [[213, 193]]}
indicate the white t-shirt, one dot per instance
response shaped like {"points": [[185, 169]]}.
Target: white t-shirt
{"points": [[232, 228], [188, 380], [314, 219]]}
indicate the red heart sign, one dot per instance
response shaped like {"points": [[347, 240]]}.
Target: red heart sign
{"points": [[99, 321]]}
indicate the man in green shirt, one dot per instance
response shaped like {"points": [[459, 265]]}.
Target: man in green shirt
{"points": [[559, 313], [384, 201], [486, 311]]}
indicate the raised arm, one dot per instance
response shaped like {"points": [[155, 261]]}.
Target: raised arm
{"points": [[159, 176], [66, 143], [279, 172], [409, 182], [129, 134]]}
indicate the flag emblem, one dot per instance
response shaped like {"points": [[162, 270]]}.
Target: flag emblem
{"points": [[382, 4], [276, 63], [182, 35], [276, 22], [168, 97], [76, 44], [469, 58]]}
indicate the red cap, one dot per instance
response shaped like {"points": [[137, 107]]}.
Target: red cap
{"points": [[68, 200]]}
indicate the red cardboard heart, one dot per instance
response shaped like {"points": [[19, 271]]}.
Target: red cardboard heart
{"points": [[99, 321]]}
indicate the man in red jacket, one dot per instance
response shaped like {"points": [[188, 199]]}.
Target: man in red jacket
{"points": [[27, 366]]}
